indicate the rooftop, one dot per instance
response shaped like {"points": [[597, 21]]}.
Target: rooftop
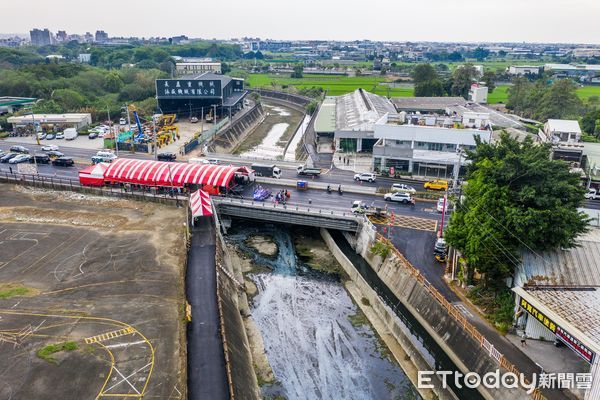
{"points": [[360, 110], [50, 118], [210, 76], [13, 101], [563, 125], [325, 120], [576, 310], [579, 266], [426, 103]]}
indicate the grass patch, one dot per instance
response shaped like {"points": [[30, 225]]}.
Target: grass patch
{"points": [[358, 319], [47, 352], [13, 290]]}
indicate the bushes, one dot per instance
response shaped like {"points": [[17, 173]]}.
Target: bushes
{"points": [[497, 305], [380, 249]]}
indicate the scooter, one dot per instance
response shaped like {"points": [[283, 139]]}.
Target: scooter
{"points": [[328, 189], [340, 190]]}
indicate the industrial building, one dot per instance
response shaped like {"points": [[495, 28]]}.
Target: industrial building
{"points": [[10, 104], [41, 37], [201, 95], [196, 68], [67, 120], [347, 122], [434, 105], [423, 150], [558, 300]]}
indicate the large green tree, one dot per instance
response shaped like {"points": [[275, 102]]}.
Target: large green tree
{"points": [[426, 81], [516, 198], [462, 79]]}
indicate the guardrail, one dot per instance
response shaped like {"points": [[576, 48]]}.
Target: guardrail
{"points": [[457, 315], [314, 184]]}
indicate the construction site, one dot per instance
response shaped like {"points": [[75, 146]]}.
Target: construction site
{"points": [[91, 303]]}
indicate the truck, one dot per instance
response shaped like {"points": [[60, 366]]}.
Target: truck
{"points": [[268, 170], [70, 133], [308, 171]]}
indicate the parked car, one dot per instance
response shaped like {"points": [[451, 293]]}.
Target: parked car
{"points": [[8, 156], [49, 147], [55, 154], [19, 149], [166, 156], [60, 135], [193, 120], [401, 197], [436, 184], [50, 136], [20, 158], [592, 194], [122, 121], [63, 162], [41, 135], [92, 135], [365, 177], [40, 159], [401, 187]]}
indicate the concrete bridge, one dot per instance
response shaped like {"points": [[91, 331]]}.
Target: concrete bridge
{"points": [[289, 214]]}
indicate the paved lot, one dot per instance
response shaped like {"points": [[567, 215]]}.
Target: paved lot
{"points": [[109, 281]]}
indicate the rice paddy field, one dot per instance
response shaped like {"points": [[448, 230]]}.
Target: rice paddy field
{"points": [[339, 84]]}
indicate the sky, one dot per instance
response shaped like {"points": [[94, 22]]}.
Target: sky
{"points": [[551, 21]]}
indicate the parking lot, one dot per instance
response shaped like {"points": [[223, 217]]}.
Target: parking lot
{"points": [[80, 142], [72, 270]]}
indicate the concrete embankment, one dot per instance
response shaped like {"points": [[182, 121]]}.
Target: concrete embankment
{"points": [[231, 298], [386, 324], [457, 343]]}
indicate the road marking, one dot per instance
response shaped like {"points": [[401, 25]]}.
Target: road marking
{"points": [[460, 307], [403, 221], [109, 335]]}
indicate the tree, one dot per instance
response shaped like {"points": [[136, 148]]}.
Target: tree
{"points": [[225, 68], [516, 198], [68, 99], [560, 101], [112, 82], [298, 70], [489, 78], [480, 53], [427, 82], [463, 77]]}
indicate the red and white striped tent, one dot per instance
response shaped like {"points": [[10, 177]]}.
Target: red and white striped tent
{"points": [[159, 173], [200, 204], [93, 175]]}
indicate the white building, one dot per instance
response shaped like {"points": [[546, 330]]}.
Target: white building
{"points": [[521, 70], [70, 120], [193, 68], [561, 130], [476, 120], [84, 58], [478, 94], [423, 150]]}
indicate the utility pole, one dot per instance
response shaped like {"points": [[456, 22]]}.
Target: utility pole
{"points": [[190, 109], [202, 120], [155, 139], [128, 118], [215, 120], [111, 130], [441, 233], [36, 139]]}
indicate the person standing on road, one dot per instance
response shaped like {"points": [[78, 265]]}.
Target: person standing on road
{"points": [[10, 168], [523, 339]]}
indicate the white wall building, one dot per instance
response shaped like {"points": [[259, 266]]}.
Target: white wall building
{"points": [[71, 120], [520, 70], [478, 94], [561, 130], [192, 68], [476, 120]]}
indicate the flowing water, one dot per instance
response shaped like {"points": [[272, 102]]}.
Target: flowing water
{"points": [[313, 348]]}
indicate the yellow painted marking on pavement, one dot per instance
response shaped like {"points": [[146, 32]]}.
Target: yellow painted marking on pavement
{"points": [[109, 335], [403, 221]]}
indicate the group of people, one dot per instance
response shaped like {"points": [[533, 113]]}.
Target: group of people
{"points": [[282, 196]]}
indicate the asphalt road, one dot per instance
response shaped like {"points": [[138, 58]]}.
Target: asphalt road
{"points": [[207, 377]]}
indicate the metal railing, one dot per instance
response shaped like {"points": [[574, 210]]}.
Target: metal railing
{"points": [[457, 315]]}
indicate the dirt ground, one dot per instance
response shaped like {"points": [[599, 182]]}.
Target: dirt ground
{"points": [[102, 275]]}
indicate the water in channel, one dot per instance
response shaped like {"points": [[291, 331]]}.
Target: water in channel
{"points": [[304, 317]]}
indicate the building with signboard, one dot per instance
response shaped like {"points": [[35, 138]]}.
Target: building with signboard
{"points": [[558, 299], [201, 95]]}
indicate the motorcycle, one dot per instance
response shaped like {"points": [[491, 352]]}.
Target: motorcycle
{"points": [[340, 190], [328, 189]]}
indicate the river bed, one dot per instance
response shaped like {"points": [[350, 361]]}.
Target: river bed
{"points": [[315, 337]]}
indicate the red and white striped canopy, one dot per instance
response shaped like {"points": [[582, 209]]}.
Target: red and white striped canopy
{"points": [[93, 175], [200, 204], [159, 173]]}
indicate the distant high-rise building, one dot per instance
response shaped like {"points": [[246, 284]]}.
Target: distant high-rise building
{"points": [[101, 37], [61, 36], [88, 37], [40, 37]]}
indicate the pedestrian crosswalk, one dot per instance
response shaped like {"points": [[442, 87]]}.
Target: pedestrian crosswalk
{"points": [[109, 335]]}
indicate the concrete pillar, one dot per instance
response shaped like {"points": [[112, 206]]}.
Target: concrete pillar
{"points": [[410, 166], [358, 145]]}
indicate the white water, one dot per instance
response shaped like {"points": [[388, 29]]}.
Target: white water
{"points": [[269, 147], [290, 154]]}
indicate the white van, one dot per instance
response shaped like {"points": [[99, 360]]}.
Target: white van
{"points": [[70, 133], [106, 156]]}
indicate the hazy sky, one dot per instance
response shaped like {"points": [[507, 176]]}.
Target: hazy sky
{"points": [[399, 20]]}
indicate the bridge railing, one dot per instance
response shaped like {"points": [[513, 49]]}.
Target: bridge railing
{"points": [[456, 314]]}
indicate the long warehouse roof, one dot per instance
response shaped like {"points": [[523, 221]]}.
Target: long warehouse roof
{"points": [[159, 173]]}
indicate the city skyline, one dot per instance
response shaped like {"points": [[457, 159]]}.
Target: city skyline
{"points": [[436, 21]]}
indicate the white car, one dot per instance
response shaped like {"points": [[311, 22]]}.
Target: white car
{"points": [[440, 205], [401, 187], [122, 121], [19, 159], [366, 177], [592, 194], [60, 135], [49, 147], [401, 197]]}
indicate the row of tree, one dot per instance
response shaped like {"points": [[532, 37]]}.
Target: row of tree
{"points": [[428, 82]]}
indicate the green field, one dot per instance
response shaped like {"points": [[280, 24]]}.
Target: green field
{"points": [[334, 85], [500, 94]]}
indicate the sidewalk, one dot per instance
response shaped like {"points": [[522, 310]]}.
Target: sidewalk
{"points": [[358, 163]]}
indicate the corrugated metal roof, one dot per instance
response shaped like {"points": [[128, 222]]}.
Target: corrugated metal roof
{"points": [[579, 266], [325, 121], [360, 110]]}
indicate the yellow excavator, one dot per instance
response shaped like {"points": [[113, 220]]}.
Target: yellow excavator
{"points": [[167, 131]]}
